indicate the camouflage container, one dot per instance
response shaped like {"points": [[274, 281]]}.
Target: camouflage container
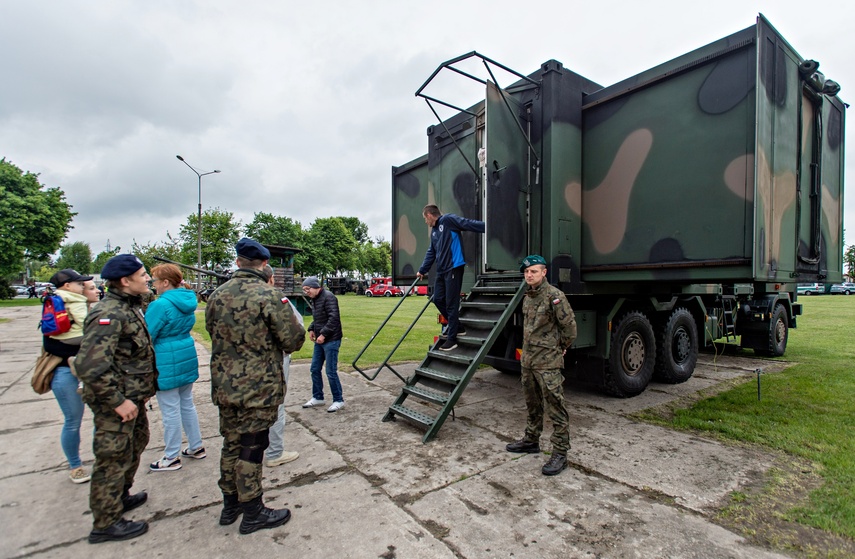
{"points": [[704, 188]]}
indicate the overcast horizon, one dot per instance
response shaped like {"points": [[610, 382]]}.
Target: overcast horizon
{"points": [[305, 109]]}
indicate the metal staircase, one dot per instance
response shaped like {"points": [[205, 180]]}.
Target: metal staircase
{"points": [[439, 381]]}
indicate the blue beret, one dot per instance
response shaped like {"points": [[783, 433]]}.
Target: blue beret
{"points": [[532, 260], [121, 266], [248, 248]]}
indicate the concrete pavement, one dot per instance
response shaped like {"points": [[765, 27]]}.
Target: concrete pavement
{"points": [[363, 489]]}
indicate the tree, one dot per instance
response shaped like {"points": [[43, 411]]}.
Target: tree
{"points": [[33, 219], [102, 258], [220, 233], [849, 261], [329, 248], [269, 229], [375, 259], [170, 249], [77, 256], [357, 228]]}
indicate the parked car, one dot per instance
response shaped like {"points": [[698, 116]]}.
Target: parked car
{"points": [[20, 289], [419, 290], [845, 288], [810, 289], [384, 290]]}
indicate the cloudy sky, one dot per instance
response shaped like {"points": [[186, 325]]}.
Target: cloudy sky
{"points": [[305, 107]]}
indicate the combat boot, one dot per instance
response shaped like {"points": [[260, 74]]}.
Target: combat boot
{"points": [[258, 517], [523, 446], [231, 510], [130, 502], [556, 464], [120, 530]]}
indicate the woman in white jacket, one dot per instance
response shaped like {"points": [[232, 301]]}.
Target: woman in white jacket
{"points": [[69, 286]]}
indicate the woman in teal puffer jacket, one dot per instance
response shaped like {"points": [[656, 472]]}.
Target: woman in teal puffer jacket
{"points": [[169, 319]]}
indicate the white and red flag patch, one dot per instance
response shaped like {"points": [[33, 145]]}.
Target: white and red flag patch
{"points": [[104, 321]]}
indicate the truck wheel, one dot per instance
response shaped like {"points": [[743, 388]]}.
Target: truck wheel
{"points": [[632, 356], [677, 348], [778, 334]]}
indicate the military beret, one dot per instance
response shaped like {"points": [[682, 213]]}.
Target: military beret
{"points": [[121, 266], [64, 276], [311, 281], [252, 250], [532, 260]]}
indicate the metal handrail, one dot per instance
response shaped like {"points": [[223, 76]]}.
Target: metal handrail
{"points": [[385, 362]]}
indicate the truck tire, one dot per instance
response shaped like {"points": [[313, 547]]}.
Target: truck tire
{"points": [[777, 334], [676, 348], [632, 357]]}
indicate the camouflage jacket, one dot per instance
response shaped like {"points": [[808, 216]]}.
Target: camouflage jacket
{"points": [[116, 358], [549, 327], [251, 325]]}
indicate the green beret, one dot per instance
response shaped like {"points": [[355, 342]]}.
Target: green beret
{"points": [[532, 260]]}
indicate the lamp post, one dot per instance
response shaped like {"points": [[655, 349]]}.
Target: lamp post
{"points": [[199, 219]]}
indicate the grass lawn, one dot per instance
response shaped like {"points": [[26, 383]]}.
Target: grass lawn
{"points": [[361, 316], [807, 411], [35, 302]]}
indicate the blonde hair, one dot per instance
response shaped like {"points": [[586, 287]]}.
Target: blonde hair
{"points": [[168, 272]]}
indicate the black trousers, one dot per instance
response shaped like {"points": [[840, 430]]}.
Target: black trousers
{"points": [[446, 297]]}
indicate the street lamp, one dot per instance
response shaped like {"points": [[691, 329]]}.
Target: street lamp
{"points": [[199, 219]]}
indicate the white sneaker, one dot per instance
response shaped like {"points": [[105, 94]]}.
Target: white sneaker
{"points": [[313, 403], [335, 407], [284, 458]]}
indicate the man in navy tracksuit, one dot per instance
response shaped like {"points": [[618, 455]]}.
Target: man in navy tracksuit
{"points": [[447, 250]]}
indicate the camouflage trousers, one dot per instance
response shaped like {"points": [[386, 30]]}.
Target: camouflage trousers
{"points": [[238, 476], [544, 392], [117, 447]]}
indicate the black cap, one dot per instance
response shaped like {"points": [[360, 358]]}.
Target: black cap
{"points": [[64, 276], [252, 250]]}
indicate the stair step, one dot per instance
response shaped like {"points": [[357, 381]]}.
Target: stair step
{"points": [[484, 323], [470, 340], [508, 288], [485, 305], [425, 394], [449, 356], [421, 418], [450, 378]]}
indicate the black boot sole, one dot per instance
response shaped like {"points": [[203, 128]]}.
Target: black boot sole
{"points": [[254, 527], [529, 450], [100, 538]]}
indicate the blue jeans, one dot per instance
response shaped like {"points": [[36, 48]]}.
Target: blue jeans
{"points": [[178, 409], [64, 386], [327, 351], [275, 435]]}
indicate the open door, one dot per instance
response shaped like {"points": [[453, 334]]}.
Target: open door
{"points": [[505, 174]]}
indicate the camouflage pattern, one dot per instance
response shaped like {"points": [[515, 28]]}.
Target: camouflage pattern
{"points": [[719, 172], [116, 359], [116, 362], [544, 393], [118, 447], [242, 477], [251, 325], [549, 327]]}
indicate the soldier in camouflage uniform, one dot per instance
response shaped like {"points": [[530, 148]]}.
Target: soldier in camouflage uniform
{"points": [[117, 367], [251, 324], [549, 328]]}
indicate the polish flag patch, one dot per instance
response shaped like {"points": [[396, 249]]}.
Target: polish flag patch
{"points": [[104, 321], [556, 301], [285, 300]]}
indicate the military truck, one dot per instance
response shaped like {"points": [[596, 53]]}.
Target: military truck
{"points": [[677, 207]]}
